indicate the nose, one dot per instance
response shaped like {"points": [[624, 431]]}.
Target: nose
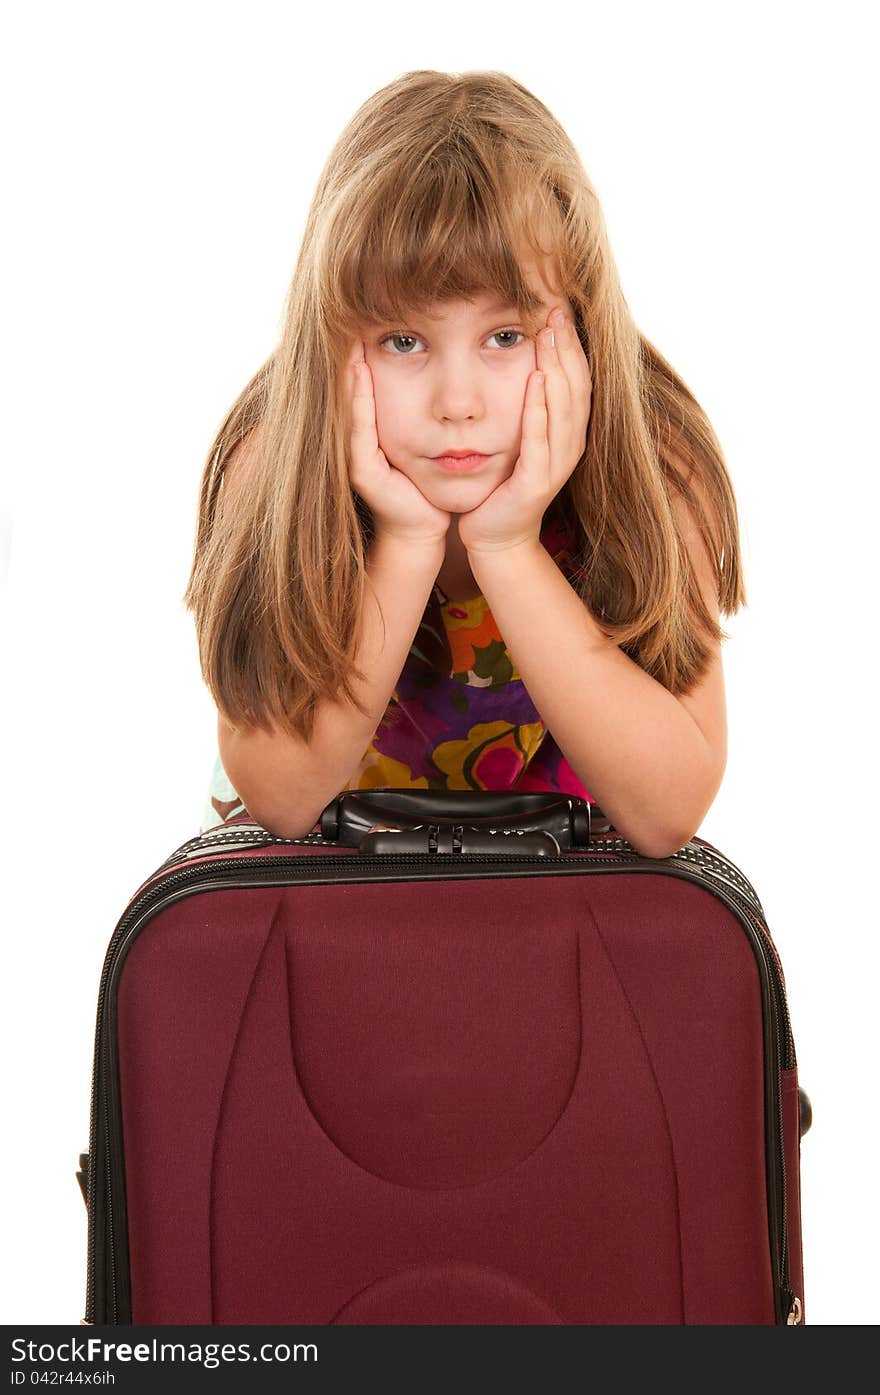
{"points": [[457, 394]]}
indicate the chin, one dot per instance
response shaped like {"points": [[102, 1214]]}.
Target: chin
{"points": [[457, 498], [470, 490]]}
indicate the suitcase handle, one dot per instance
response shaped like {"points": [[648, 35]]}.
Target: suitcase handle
{"points": [[457, 838], [475, 821]]}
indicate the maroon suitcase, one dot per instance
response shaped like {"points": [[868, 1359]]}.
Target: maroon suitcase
{"points": [[454, 1058]]}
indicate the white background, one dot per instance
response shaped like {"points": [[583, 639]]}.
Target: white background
{"points": [[159, 164]]}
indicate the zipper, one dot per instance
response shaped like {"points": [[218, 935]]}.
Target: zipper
{"points": [[696, 854], [111, 1248], [784, 1054], [694, 862]]}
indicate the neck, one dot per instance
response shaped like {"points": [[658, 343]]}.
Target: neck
{"points": [[456, 552], [455, 577]]}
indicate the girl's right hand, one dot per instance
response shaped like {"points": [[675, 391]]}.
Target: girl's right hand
{"points": [[399, 507]]}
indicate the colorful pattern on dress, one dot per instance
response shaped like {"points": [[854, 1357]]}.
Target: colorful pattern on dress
{"points": [[460, 717]]}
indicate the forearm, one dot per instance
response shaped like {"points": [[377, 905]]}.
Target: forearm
{"points": [[285, 782], [629, 740]]}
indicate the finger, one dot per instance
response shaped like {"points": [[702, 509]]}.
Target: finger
{"points": [[568, 406], [535, 446], [570, 353], [355, 357], [360, 396], [363, 404], [364, 434], [557, 393], [550, 355]]}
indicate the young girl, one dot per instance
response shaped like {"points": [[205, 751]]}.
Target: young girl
{"points": [[372, 613]]}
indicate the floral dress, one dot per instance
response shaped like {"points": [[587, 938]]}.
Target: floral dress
{"points": [[460, 717]]}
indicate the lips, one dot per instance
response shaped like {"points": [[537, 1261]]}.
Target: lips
{"points": [[460, 462], [457, 454]]}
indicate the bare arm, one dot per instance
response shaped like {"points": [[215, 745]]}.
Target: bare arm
{"points": [[652, 760], [284, 782]]}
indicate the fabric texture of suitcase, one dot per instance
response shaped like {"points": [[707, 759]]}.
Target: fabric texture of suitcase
{"points": [[457, 1058]]}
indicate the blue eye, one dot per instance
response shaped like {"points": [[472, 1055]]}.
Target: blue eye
{"points": [[389, 338], [508, 331]]}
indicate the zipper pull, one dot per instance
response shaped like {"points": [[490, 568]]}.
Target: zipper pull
{"points": [[794, 1313]]}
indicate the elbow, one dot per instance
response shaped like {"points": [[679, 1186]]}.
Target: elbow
{"points": [[283, 822], [297, 826], [665, 844], [661, 841], [649, 841], [282, 827], [255, 765], [659, 847]]}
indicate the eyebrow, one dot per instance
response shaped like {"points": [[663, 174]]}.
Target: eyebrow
{"points": [[493, 307], [499, 304]]}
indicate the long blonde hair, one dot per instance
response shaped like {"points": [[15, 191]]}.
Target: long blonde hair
{"points": [[444, 186]]}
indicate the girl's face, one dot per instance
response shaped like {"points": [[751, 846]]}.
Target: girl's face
{"points": [[453, 380]]}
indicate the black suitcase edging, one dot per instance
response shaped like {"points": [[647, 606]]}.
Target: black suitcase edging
{"points": [[108, 1298]]}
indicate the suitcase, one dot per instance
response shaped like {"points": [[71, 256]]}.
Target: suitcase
{"points": [[451, 1058]]}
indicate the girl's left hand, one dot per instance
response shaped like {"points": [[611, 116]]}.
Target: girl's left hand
{"points": [[554, 433]]}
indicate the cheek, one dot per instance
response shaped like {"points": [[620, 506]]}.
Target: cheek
{"points": [[517, 385], [392, 423], [386, 385], [383, 399]]}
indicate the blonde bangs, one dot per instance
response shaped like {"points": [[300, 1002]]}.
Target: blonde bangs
{"points": [[455, 228]]}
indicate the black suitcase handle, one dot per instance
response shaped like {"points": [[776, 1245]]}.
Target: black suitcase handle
{"points": [[542, 824]]}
